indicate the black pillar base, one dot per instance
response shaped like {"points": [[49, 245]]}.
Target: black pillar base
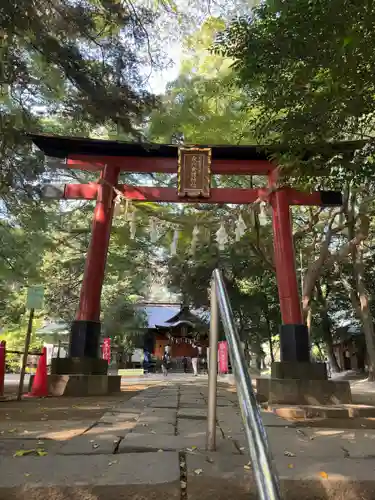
{"points": [[79, 366], [84, 339], [294, 343]]}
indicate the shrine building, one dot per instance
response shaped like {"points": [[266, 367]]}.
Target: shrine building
{"points": [[173, 325]]}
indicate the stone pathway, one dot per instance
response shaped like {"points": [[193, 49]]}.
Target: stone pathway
{"points": [[153, 446]]}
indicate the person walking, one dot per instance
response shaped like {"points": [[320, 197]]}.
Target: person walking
{"points": [[185, 363], [166, 362], [146, 361], [194, 360]]}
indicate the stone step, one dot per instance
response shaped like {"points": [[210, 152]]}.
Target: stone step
{"points": [[97, 477], [214, 476], [156, 476], [299, 412]]}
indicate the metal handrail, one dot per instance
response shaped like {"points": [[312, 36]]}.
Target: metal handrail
{"points": [[260, 456]]}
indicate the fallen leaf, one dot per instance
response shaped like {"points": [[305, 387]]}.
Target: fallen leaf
{"points": [[346, 452], [323, 474], [41, 452], [26, 474], [12, 430], [95, 445], [290, 466], [198, 471], [22, 453], [289, 454], [299, 431], [193, 448], [152, 432]]}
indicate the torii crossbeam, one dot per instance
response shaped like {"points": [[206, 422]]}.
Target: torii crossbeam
{"points": [[194, 167]]}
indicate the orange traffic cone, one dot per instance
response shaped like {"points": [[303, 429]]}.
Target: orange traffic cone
{"points": [[40, 382]]}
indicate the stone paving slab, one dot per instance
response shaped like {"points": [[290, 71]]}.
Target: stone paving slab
{"points": [[224, 402], [193, 402], [186, 398], [353, 443], [123, 414], [128, 407], [197, 433], [145, 442], [172, 404], [156, 428], [197, 413], [119, 429], [134, 443], [145, 468], [114, 418], [100, 444], [297, 442], [159, 415], [191, 424], [215, 476]]}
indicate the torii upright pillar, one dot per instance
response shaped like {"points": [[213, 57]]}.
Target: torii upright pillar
{"points": [[294, 338], [85, 332]]}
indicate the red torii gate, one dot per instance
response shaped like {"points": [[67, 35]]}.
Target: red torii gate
{"points": [[112, 157]]}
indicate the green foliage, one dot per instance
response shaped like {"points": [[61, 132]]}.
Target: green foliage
{"points": [[203, 103], [307, 67], [73, 62], [15, 341], [124, 323]]}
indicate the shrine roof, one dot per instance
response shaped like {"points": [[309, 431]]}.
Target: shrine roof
{"points": [[63, 147], [168, 315]]}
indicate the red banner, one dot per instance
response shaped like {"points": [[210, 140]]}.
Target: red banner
{"points": [[223, 357], [106, 349]]}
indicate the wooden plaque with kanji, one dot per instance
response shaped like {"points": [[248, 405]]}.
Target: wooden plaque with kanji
{"points": [[194, 172]]}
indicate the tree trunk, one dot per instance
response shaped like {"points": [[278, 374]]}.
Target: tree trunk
{"points": [[326, 259], [331, 355], [361, 304], [326, 327], [269, 331], [365, 314]]}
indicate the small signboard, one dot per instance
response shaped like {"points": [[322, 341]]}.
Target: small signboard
{"points": [[223, 357], [194, 172], [35, 297], [106, 349]]}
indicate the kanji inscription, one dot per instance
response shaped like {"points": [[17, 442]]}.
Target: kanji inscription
{"points": [[194, 172]]}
